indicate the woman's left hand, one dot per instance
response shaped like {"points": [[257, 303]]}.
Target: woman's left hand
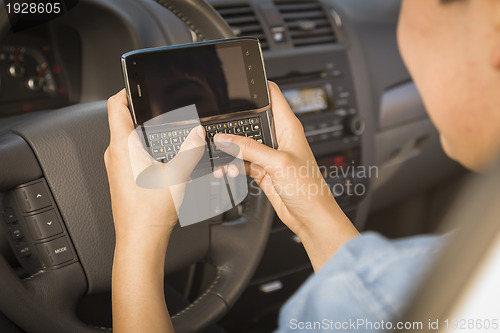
{"points": [[144, 214], [138, 208]]}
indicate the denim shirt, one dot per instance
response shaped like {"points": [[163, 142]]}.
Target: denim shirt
{"points": [[362, 288]]}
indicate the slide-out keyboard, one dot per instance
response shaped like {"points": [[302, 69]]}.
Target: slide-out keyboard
{"points": [[164, 145]]}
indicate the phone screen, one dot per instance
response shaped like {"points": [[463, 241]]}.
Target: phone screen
{"points": [[217, 78]]}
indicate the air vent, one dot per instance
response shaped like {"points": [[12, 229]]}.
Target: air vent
{"points": [[242, 19], [307, 22]]}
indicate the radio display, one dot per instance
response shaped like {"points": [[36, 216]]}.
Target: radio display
{"points": [[307, 100]]}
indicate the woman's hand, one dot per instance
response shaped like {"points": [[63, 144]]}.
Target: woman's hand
{"points": [[291, 179], [144, 214], [140, 193]]}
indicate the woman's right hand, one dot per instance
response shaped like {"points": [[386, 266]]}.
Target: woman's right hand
{"points": [[293, 183]]}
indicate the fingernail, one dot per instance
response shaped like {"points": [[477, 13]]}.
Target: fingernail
{"points": [[218, 173], [200, 132], [233, 172], [222, 140]]}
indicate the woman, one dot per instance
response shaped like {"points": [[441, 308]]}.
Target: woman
{"points": [[452, 50]]}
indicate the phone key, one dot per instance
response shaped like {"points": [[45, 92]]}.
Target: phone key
{"points": [[210, 134], [232, 124], [170, 156], [169, 149], [255, 127], [238, 130], [160, 158], [182, 139], [154, 137], [243, 122], [176, 133], [210, 128], [246, 128], [158, 151], [156, 143], [177, 147], [230, 131], [186, 131], [254, 121], [174, 140], [259, 140]]}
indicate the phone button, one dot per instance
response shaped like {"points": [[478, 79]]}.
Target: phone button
{"points": [[33, 197], [55, 252], [23, 249], [9, 215], [44, 225]]}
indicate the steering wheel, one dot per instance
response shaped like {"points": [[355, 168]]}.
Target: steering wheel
{"points": [[66, 147]]}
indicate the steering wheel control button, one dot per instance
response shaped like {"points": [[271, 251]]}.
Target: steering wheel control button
{"points": [[16, 232], [23, 249], [44, 225], [33, 197], [55, 252], [9, 215]]}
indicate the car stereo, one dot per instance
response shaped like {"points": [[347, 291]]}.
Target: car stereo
{"points": [[327, 111], [310, 99]]}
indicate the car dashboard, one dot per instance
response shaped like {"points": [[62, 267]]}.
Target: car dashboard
{"points": [[39, 70]]}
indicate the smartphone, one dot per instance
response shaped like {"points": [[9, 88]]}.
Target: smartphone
{"points": [[219, 84]]}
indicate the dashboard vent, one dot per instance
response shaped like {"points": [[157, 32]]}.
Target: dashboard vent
{"points": [[306, 22], [242, 19]]}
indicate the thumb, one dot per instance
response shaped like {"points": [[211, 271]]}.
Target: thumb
{"points": [[247, 149], [179, 169], [120, 122]]}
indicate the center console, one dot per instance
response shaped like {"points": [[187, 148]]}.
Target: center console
{"points": [[325, 103]]}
